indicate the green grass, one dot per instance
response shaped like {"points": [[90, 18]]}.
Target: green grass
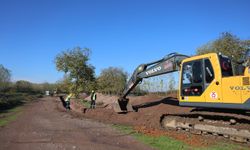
{"points": [[164, 142], [85, 103], [225, 146], [161, 143], [9, 115], [10, 105]]}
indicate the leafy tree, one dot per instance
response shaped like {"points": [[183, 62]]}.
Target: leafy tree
{"points": [[23, 86], [48, 87], [63, 85], [227, 44], [5, 77], [161, 85], [171, 83], [79, 73], [138, 91], [112, 80]]}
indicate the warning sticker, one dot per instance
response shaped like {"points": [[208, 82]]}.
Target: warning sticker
{"points": [[213, 95]]}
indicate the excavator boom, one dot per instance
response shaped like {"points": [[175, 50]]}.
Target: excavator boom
{"points": [[169, 63]]}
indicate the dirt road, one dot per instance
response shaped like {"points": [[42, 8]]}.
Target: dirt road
{"points": [[42, 126]]}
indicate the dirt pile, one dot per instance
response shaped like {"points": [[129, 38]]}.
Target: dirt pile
{"points": [[105, 100], [146, 120], [150, 111]]}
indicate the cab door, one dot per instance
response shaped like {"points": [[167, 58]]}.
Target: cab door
{"points": [[192, 82], [212, 80]]}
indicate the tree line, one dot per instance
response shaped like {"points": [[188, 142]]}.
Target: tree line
{"points": [[16, 93], [80, 75]]}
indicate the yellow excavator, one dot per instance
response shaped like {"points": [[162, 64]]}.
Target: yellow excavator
{"points": [[205, 81]]}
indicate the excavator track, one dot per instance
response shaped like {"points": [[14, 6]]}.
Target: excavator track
{"points": [[235, 129]]}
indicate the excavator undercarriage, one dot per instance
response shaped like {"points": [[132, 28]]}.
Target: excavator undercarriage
{"points": [[233, 127]]}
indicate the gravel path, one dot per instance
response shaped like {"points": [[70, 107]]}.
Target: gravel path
{"points": [[41, 126]]}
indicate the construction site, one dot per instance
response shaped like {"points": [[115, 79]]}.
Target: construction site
{"points": [[125, 75], [201, 107], [151, 110]]}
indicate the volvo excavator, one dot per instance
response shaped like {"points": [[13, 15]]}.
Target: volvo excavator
{"points": [[207, 82]]}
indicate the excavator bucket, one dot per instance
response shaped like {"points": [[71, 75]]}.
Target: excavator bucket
{"points": [[121, 106]]}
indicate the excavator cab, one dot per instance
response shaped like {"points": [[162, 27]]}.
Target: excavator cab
{"points": [[213, 81]]}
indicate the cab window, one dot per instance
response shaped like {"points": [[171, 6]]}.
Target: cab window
{"points": [[197, 72], [226, 66], [209, 72], [187, 75], [192, 78]]}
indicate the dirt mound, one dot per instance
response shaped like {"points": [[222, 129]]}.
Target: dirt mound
{"points": [[106, 100], [150, 109]]}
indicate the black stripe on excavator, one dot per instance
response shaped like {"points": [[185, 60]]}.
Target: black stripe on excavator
{"points": [[244, 106]]}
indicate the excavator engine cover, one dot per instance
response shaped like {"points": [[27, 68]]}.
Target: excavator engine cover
{"points": [[122, 106]]}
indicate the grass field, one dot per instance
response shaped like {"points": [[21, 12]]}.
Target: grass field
{"points": [[9, 115], [164, 142]]}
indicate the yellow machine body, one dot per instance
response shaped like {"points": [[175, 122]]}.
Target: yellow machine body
{"points": [[209, 81]]}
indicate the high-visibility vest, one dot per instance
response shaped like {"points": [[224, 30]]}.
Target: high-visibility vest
{"points": [[93, 96], [68, 97]]}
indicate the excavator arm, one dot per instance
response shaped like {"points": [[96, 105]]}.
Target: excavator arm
{"points": [[168, 64]]}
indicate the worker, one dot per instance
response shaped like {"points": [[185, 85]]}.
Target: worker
{"points": [[93, 99], [55, 92], [68, 101]]}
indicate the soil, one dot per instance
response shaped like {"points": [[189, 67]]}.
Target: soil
{"points": [[42, 126], [45, 124], [150, 110]]}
